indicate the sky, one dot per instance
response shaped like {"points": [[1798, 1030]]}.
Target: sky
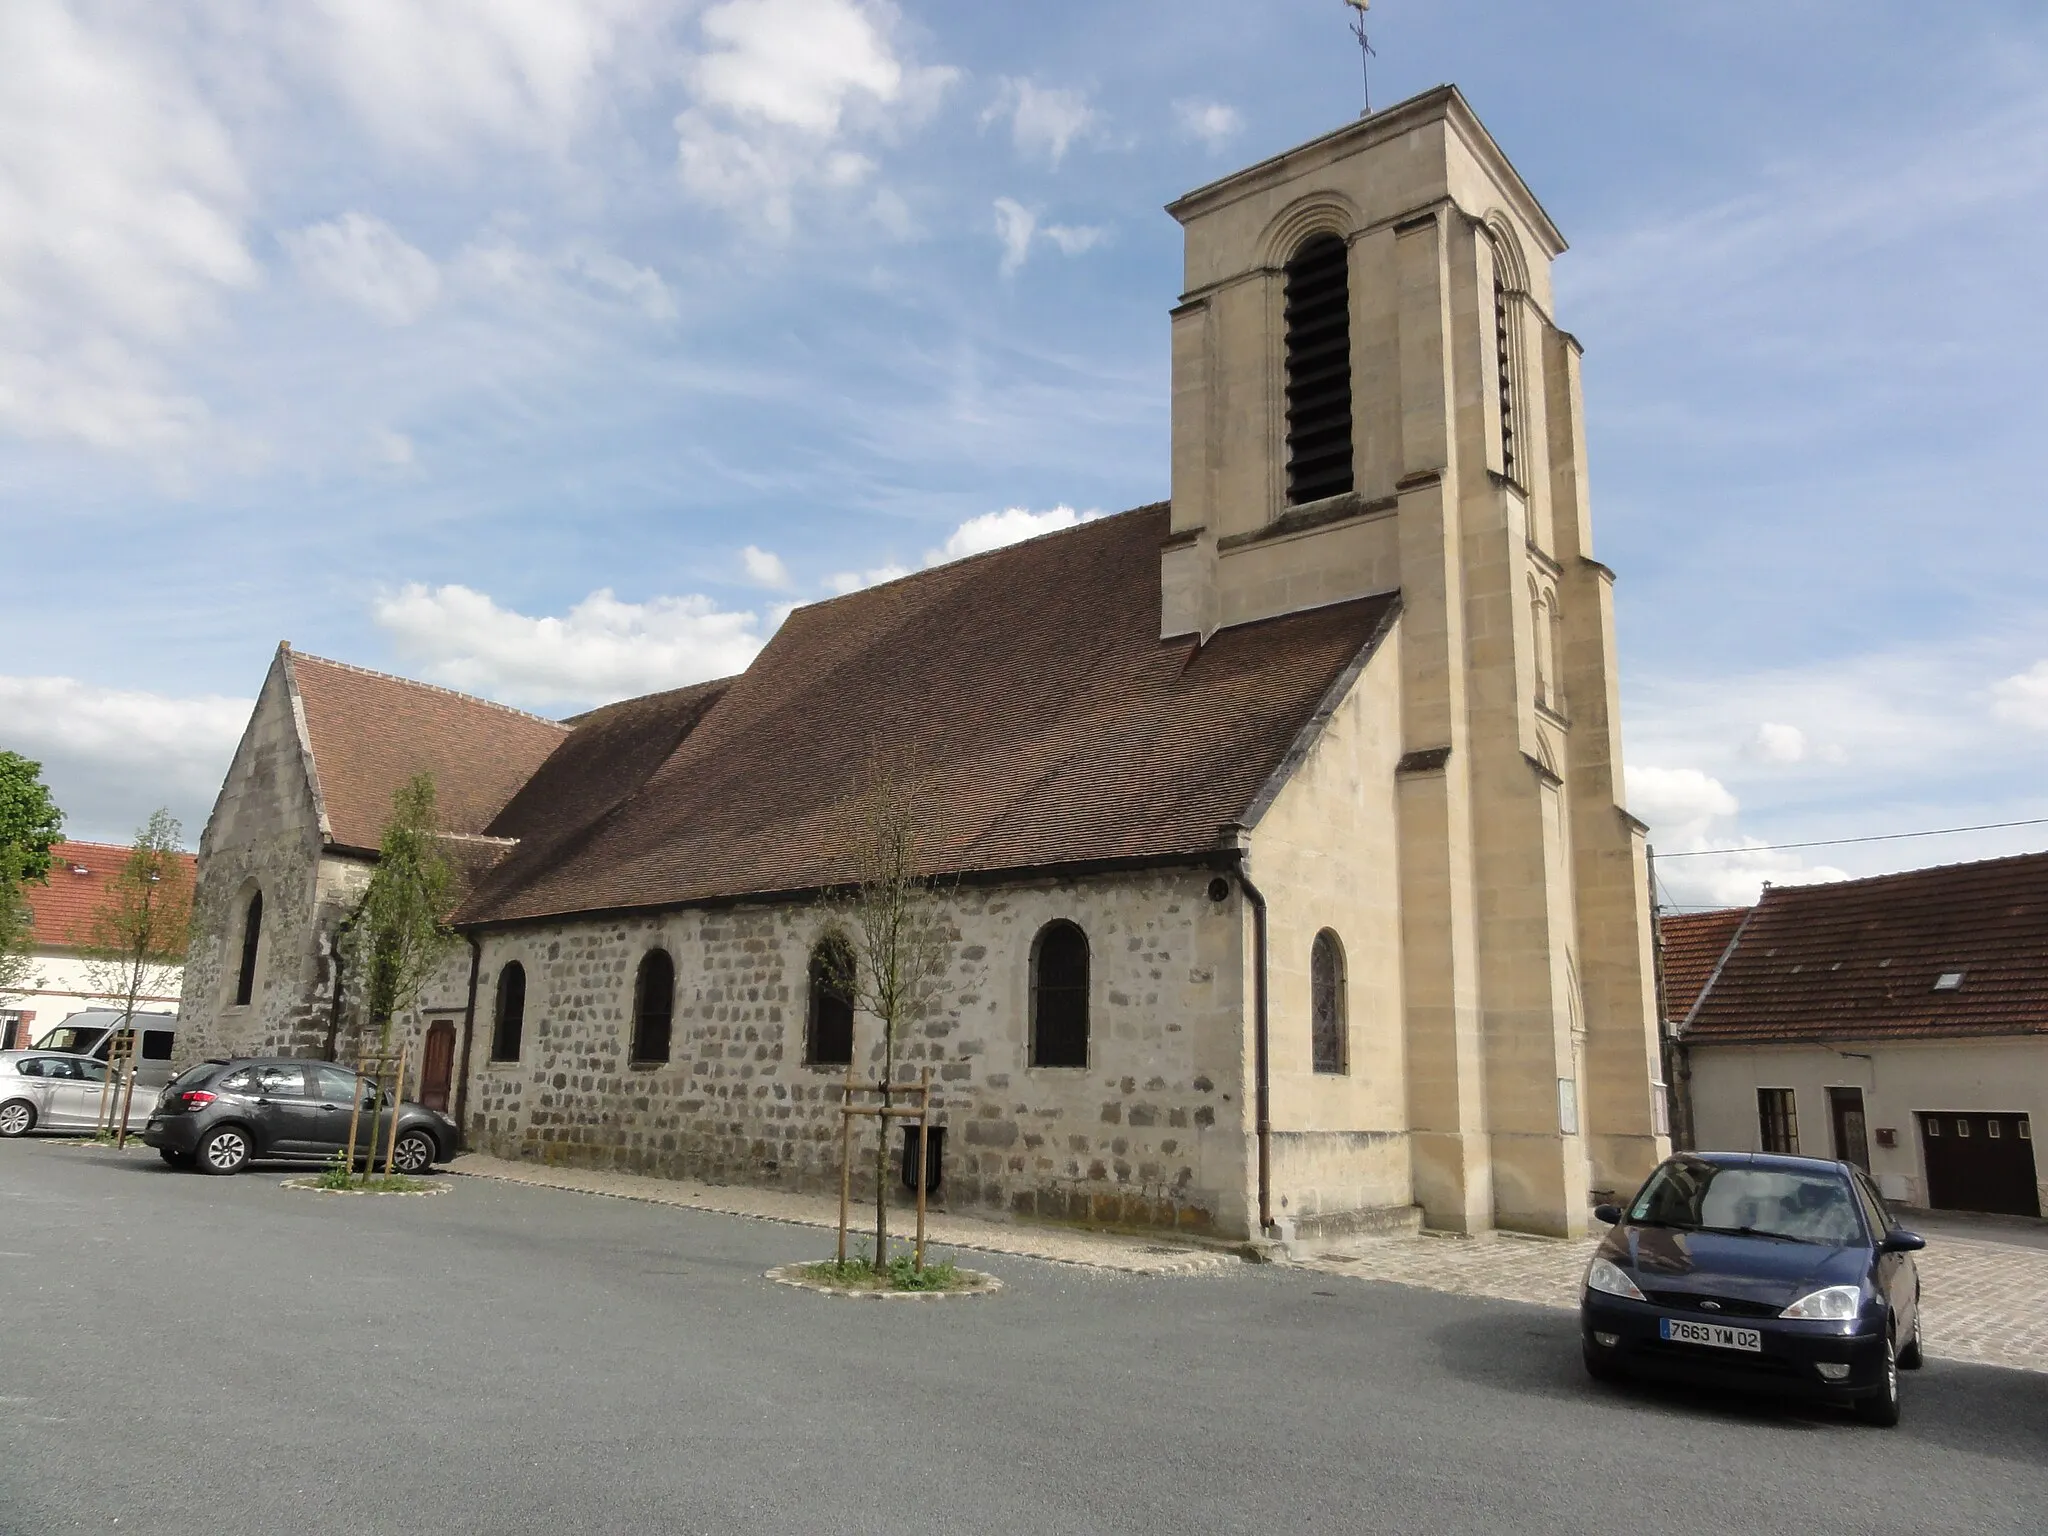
{"points": [[554, 349]]}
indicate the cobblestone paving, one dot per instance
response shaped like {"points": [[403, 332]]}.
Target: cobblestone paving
{"points": [[1096, 1250], [1987, 1300]]}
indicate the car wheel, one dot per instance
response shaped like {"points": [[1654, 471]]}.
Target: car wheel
{"points": [[1882, 1408], [1911, 1358], [175, 1159], [225, 1151], [17, 1118], [414, 1153], [1599, 1367]]}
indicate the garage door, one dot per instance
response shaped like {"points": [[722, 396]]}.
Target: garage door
{"points": [[1979, 1162]]}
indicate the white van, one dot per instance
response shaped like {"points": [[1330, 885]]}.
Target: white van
{"points": [[91, 1033]]}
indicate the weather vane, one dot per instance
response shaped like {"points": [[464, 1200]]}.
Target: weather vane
{"points": [[1365, 53]]}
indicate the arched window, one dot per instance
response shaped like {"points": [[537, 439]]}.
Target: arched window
{"points": [[654, 1006], [1330, 1038], [1059, 997], [1506, 287], [510, 1020], [1318, 371], [828, 1028], [252, 939]]}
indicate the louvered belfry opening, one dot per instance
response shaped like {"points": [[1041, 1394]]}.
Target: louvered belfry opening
{"points": [[1318, 371], [1504, 355]]}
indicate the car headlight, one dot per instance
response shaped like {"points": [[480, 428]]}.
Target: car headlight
{"points": [[1606, 1276], [1836, 1304]]}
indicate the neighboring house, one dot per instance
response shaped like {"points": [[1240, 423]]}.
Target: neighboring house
{"points": [[1900, 1023], [60, 983], [1288, 878]]}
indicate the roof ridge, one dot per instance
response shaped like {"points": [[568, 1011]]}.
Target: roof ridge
{"points": [[1864, 881], [985, 554], [413, 682]]}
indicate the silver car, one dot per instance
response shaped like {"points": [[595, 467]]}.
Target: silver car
{"points": [[59, 1091]]}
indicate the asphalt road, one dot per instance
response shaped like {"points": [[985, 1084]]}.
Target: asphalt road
{"points": [[185, 1354]]}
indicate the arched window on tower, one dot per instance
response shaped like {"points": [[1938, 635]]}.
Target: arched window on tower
{"points": [[1506, 288], [510, 1021], [1318, 370], [1059, 996], [1545, 632], [654, 1006], [252, 942], [1330, 1035], [828, 1029]]}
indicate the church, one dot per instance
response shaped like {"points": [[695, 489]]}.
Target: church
{"points": [[1288, 888]]}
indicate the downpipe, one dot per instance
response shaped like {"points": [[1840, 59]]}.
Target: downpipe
{"points": [[1262, 1077]]}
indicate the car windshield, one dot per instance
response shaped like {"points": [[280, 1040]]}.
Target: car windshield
{"points": [[190, 1076], [70, 1037], [1763, 1202]]}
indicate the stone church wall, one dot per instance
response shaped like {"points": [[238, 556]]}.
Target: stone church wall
{"points": [[1153, 1133]]}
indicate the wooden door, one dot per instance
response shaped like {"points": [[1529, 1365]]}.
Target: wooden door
{"points": [[437, 1064], [1980, 1162], [1852, 1142]]}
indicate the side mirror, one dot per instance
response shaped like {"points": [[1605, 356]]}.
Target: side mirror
{"points": [[1611, 1214], [1902, 1241]]}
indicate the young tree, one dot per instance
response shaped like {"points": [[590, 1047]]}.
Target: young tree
{"points": [[30, 824], [899, 945], [398, 932], [136, 944]]}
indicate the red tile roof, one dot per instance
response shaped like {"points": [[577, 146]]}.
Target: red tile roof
{"points": [[1027, 687], [1862, 959], [1693, 945], [370, 733], [78, 880]]}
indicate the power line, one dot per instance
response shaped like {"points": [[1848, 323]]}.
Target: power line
{"points": [[1837, 842]]}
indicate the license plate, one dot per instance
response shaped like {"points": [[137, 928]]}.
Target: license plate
{"points": [[1714, 1335]]}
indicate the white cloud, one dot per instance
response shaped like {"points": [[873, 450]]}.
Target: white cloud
{"points": [[601, 649], [765, 567], [843, 582], [429, 76], [1214, 123], [1691, 813], [1017, 228], [976, 536], [1044, 121], [1012, 525], [2023, 698], [365, 261], [391, 449], [1015, 225], [495, 261], [779, 94], [112, 755], [122, 203], [1774, 743]]}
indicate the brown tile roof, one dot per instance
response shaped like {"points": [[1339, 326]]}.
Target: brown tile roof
{"points": [[1028, 687], [1860, 960], [78, 880], [1693, 945], [370, 733], [608, 754]]}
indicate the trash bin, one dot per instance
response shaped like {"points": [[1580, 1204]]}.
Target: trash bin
{"points": [[935, 1157]]}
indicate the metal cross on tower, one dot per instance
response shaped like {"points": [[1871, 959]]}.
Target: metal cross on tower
{"points": [[1365, 53]]}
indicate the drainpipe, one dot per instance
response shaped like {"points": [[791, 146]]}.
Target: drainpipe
{"points": [[1261, 1053], [476, 957]]}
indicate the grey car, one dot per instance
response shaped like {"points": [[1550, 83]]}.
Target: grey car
{"points": [[59, 1091]]}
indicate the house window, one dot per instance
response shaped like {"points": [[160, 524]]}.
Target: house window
{"points": [[1059, 997], [654, 1006], [1777, 1116], [252, 938], [1318, 371], [1329, 1035], [509, 1023], [1504, 368], [828, 1030]]}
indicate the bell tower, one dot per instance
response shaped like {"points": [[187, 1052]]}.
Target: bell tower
{"points": [[1371, 394]]}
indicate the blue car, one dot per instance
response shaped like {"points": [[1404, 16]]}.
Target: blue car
{"points": [[1739, 1269]]}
